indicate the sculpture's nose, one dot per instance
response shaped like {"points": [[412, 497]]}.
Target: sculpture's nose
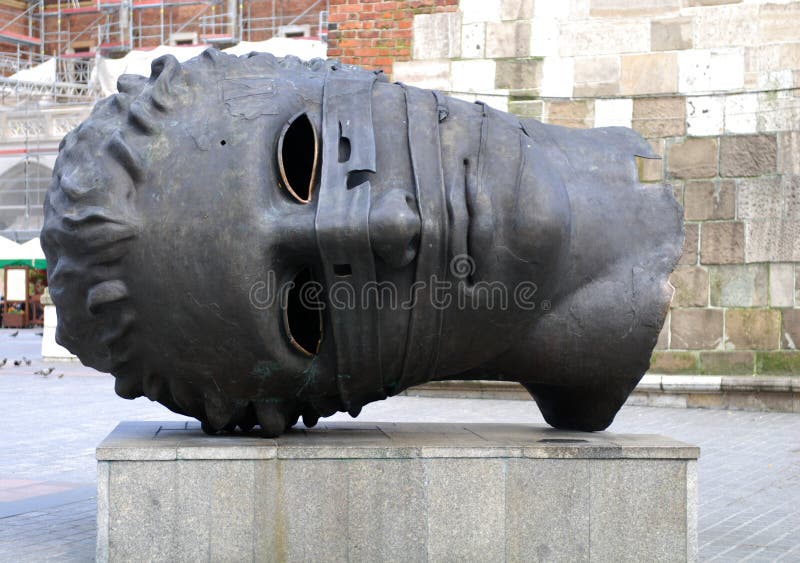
{"points": [[394, 227]]}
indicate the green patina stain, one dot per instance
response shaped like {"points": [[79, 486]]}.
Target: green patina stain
{"points": [[778, 363], [265, 370], [521, 97], [727, 363], [309, 375], [673, 362], [312, 369]]}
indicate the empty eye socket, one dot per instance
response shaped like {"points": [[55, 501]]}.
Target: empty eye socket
{"points": [[302, 315], [298, 157]]}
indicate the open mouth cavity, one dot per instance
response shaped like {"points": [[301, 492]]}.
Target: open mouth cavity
{"points": [[302, 313]]}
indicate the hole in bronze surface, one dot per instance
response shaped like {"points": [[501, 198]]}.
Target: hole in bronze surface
{"points": [[344, 146], [302, 317], [344, 149], [342, 270], [298, 156], [357, 177]]}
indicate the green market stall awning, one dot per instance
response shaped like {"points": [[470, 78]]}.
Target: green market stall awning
{"points": [[36, 264], [28, 254]]}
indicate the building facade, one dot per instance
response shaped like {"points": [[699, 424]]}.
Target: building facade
{"points": [[713, 85]]}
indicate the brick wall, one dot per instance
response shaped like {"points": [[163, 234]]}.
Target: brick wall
{"points": [[377, 33], [8, 14], [714, 85]]}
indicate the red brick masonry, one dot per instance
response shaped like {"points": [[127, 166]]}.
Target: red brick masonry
{"points": [[376, 33]]}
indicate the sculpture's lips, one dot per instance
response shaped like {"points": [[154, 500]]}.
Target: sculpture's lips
{"points": [[458, 211], [464, 207]]}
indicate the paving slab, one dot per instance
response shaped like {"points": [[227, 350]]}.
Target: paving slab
{"points": [[748, 471]]}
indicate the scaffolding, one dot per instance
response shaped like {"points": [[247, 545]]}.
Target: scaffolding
{"points": [[74, 32], [39, 102], [83, 29], [24, 28]]}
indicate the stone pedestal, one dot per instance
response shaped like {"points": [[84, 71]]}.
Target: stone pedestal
{"points": [[51, 350], [413, 492]]}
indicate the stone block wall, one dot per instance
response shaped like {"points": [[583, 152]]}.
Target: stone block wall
{"points": [[734, 310], [714, 85]]}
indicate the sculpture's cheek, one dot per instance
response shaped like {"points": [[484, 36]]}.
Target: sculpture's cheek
{"points": [[541, 220]]}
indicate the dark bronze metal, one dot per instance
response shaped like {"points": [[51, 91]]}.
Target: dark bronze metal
{"points": [[250, 240]]}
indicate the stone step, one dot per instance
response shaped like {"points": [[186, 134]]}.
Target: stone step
{"points": [[752, 393]]}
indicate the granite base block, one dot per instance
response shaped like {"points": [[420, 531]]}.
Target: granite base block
{"points": [[394, 492]]}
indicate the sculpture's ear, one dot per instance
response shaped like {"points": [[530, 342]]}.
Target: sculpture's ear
{"points": [[165, 65], [165, 77], [298, 157], [131, 84]]}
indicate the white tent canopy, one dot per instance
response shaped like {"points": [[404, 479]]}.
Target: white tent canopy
{"points": [[305, 49], [107, 71], [44, 73], [32, 250], [9, 250]]}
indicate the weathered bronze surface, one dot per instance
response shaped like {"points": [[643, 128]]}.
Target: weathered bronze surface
{"points": [[251, 240]]}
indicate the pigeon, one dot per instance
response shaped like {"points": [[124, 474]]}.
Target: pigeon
{"points": [[3, 362], [60, 375], [42, 372], [47, 371], [16, 332], [26, 360], [17, 362]]}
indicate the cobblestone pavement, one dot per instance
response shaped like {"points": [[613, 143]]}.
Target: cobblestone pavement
{"points": [[749, 467]]}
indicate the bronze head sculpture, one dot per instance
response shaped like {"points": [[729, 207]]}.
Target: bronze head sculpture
{"points": [[248, 240]]}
